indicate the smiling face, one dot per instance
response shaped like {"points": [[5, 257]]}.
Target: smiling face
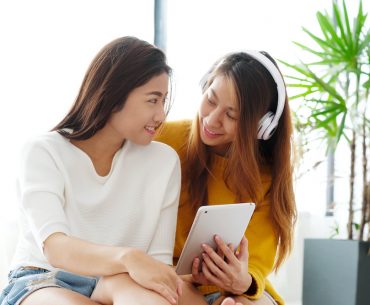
{"points": [[218, 115], [142, 113]]}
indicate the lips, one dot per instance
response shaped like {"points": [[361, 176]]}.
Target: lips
{"points": [[210, 134], [150, 129]]}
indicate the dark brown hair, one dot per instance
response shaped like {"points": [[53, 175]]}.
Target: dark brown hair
{"points": [[256, 92], [121, 66]]}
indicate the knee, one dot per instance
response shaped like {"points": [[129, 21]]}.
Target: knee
{"points": [[122, 289]]}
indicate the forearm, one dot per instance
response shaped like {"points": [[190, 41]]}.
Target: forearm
{"points": [[82, 257]]}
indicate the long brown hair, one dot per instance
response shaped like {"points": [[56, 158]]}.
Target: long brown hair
{"points": [[257, 94], [121, 66]]}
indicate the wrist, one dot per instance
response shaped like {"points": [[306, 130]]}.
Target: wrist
{"points": [[128, 257], [245, 286]]}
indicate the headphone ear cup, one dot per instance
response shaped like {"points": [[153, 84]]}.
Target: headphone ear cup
{"points": [[264, 125]]}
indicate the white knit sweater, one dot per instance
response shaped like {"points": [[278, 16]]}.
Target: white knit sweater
{"points": [[135, 205]]}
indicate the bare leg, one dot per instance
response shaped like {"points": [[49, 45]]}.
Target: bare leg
{"points": [[191, 295], [120, 289], [64, 296]]}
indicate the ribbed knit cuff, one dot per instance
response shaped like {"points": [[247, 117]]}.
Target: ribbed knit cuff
{"points": [[258, 284]]}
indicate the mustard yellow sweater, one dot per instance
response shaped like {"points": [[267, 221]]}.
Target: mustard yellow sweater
{"points": [[262, 240]]}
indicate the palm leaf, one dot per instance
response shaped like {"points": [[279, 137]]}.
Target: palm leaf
{"points": [[340, 131], [339, 22], [358, 26], [327, 26], [346, 20], [331, 90]]}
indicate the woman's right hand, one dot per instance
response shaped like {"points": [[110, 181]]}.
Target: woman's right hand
{"points": [[153, 275]]}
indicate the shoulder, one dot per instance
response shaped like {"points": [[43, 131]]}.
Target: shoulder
{"points": [[162, 149], [154, 152], [175, 133], [49, 142]]}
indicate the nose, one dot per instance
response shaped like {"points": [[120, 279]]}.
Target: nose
{"points": [[160, 114], [213, 118]]}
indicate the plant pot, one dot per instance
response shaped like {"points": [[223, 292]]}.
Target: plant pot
{"points": [[336, 272]]}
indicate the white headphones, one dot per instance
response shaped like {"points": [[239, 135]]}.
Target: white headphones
{"points": [[269, 121]]}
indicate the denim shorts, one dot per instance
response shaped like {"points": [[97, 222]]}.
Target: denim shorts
{"points": [[210, 298], [26, 280]]}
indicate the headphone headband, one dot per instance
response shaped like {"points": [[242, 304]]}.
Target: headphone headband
{"points": [[273, 119]]}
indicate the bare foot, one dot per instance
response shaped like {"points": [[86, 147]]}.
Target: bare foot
{"points": [[228, 301]]}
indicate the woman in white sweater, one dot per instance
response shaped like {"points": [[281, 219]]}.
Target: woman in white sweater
{"points": [[98, 199]]}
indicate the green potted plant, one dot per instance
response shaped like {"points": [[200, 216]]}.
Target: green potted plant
{"points": [[333, 95]]}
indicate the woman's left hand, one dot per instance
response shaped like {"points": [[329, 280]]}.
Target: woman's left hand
{"points": [[225, 268]]}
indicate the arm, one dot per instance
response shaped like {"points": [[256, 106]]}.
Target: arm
{"points": [[163, 241], [42, 190], [82, 257]]}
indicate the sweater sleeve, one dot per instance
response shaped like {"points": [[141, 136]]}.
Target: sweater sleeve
{"points": [[174, 134], [162, 244], [41, 192], [262, 245]]}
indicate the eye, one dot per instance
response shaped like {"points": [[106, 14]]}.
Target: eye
{"points": [[210, 101], [153, 100], [231, 117]]}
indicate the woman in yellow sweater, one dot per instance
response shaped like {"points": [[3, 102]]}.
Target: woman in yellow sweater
{"points": [[238, 149]]}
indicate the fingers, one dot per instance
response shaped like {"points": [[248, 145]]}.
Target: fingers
{"points": [[212, 278], [213, 257], [186, 278], [220, 253], [231, 247], [227, 251], [195, 268], [180, 282], [243, 251], [165, 291], [169, 285]]}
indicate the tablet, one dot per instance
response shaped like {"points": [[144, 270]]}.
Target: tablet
{"points": [[229, 221]]}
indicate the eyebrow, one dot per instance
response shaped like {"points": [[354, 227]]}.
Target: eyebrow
{"points": [[215, 95], [157, 93]]}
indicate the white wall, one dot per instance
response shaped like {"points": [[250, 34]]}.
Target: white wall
{"points": [[46, 47]]}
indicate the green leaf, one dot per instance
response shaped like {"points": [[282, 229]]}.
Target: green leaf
{"points": [[359, 23], [333, 109], [327, 26], [348, 27], [338, 19], [331, 90], [367, 84], [340, 131]]}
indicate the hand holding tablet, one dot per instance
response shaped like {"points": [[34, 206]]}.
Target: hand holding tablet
{"points": [[228, 221]]}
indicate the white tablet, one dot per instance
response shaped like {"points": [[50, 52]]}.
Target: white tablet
{"points": [[229, 221]]}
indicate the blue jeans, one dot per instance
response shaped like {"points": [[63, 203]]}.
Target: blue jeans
{"points": [[26, 280]]}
